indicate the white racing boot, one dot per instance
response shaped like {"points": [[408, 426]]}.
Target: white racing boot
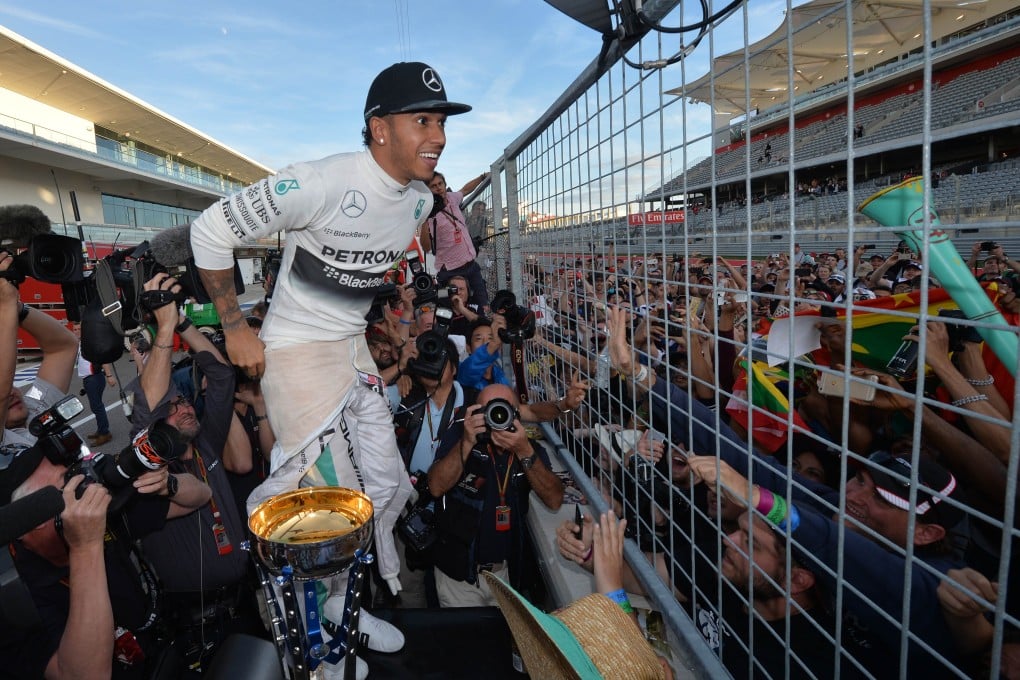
{"points": [[336, 672], [374, 633]]}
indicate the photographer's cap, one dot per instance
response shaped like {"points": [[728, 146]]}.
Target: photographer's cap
{"points": [[406, 87]]}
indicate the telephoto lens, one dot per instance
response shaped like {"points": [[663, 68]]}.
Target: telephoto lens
{"points": [[151, 449]]}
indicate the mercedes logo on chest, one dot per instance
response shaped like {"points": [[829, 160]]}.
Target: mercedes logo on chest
{"points": [[353, 204], [431, 80]]}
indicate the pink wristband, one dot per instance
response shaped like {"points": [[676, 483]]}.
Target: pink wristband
{"points": [[765, 501]]}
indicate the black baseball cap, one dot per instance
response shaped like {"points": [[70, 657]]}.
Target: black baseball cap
{"points": [[891, 475], [407, 87]]}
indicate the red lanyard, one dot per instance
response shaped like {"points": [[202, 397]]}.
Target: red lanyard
{"points": [[219, 530]]}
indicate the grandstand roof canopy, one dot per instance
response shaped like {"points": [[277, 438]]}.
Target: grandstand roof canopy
{"points": [[38, 74], [882, 29]]}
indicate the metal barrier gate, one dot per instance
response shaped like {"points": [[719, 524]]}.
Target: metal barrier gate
{"points": [[708, 178]]}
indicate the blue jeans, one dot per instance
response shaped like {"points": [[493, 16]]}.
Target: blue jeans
{"points": [[94, 385]]}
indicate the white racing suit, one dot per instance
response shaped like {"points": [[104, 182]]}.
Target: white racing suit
{"points": [[347, 222]]}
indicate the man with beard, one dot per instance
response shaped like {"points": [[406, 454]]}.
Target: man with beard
{"points": [[198, 557]]}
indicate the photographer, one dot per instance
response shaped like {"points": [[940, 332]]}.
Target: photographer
{"points": [[464, 313], [44, 557], [198, 558], [486, 466], [76, 638], [59, 356], [447, 237], [433, 402]]}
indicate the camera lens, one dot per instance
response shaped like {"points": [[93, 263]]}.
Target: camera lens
{"points": [[429, 345], [499, 415], [422, 282]]}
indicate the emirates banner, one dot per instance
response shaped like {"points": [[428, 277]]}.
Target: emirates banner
{"points": [[671, 217]]}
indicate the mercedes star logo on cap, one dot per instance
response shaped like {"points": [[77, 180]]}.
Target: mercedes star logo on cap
{"points": [[431, 80]]}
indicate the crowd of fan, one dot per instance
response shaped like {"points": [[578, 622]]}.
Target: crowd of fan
{"points": [[664, 341]]}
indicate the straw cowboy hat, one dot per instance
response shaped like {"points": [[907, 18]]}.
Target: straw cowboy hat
{"points": [[590, 638]]}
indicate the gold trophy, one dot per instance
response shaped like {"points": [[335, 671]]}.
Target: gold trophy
{"points": [[304, 536]]}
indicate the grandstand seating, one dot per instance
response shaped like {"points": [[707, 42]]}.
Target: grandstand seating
{"points": [[966, 97]]}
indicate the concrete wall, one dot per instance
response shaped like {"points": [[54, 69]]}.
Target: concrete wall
{"points": [[33, 117]]}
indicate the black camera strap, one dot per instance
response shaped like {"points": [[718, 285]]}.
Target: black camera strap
{"points": [[446, 418], [412, 418], [520, 377], [108, 298], [434, 226]]}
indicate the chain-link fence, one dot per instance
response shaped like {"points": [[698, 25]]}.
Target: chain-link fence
{"points": [[729, 234]]}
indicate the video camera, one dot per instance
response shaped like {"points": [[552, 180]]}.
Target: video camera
{"points": [[433, 350], [43, 255], [520, 321], [49, 258], [169, 251], [46, 257]]}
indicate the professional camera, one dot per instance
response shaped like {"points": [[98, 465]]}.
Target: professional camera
{"points": [[150, 449], [500, 415], [421, 281], [433, 352], [417, 527], [168, 251], [520, 321], [384, 297], [426, 290], [55, 437], [438, 203]]}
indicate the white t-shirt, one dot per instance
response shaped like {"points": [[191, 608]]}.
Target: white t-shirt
{"points": [[347, 222]]}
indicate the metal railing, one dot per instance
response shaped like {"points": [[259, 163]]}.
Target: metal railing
{"points": [[845, 593]]}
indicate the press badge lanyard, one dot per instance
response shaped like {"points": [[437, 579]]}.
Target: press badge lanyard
{"points": [[444, 419], [502, 510], [219, 531]]}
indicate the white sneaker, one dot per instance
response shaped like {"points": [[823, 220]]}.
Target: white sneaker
{"points": [[336, 672], [376, 634]]}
